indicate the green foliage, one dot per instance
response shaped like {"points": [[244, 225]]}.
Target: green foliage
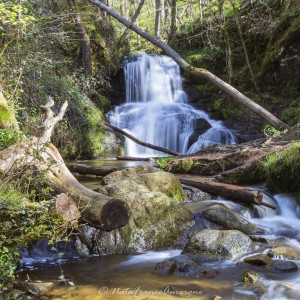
{"points": [[283, 169], [9, 137], [226, 110], [23, 221], [8, 263], [162, 162], [291, 115], [269, 131]]}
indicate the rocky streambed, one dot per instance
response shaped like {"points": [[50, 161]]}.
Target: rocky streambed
{"points": [[179, 241]]}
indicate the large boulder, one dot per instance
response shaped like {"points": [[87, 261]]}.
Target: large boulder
{"points": [[157, 218], [226, 218], [223, 244]]}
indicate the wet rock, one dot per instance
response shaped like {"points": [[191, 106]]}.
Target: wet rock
{"points": [[226, 244], [283, 266], [194, 194], [250, 277], [167, 266], [285, 252], [229, 219], [183, 264], [44, 287], [258, 259], [258, 239]]}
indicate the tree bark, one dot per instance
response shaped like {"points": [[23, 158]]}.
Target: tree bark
{"points": [[229, 191], [154, 147], [96, 209], [127, 30], [197, 72], [84, 40]]}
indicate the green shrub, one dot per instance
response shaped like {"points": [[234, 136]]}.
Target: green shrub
{"points": [[162, 162], [8, 137], [283, 169]]}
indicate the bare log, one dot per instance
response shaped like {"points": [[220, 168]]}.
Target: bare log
{"points": [[154, 147], [96, 209], [232, 192], [92, 170], [132, 158], [198, 73]]}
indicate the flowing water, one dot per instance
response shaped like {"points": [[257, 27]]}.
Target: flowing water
{"points": [[132, 276], [156, 110]]}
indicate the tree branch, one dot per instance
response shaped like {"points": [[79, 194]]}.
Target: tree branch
{"points": [[50, 120]]}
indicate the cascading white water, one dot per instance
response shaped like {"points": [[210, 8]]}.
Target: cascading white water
{"points": [[156, 110]]}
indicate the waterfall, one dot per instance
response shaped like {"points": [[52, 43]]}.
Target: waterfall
{"points": [[156, 110]]}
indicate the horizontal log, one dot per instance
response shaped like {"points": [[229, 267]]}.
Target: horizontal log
{"points": [[83, 169], [229, 191], [131, 158]]}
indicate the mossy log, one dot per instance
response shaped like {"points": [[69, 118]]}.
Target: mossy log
{"points": [[234, 164], [96, 209], [229, 191]]}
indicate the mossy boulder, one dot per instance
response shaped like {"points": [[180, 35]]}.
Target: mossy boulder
{"points": [[221, 244], [157, 220], [250, 277], [227, 218]]}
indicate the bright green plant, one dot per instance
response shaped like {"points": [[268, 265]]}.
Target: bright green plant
{"points": [[162, 162], [269, 131]]}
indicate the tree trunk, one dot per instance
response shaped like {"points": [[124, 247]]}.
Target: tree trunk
{"points": [[227, 42], [157, 17], [84, 40], [247, 57], [173, 26], [199, 73], [96, 209], [229, 191], [127, 30]]}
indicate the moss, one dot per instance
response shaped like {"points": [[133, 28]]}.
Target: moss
{"points": [[283, 169], [250, 277]]}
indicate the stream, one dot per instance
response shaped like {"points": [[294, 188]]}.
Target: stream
{"points": [[156, 111], [133, 277]]}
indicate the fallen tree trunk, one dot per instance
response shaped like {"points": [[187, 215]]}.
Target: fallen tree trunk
{"points": [[96, 209], [92, 170], [232, 192], [198, 72], [154, 147]]}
